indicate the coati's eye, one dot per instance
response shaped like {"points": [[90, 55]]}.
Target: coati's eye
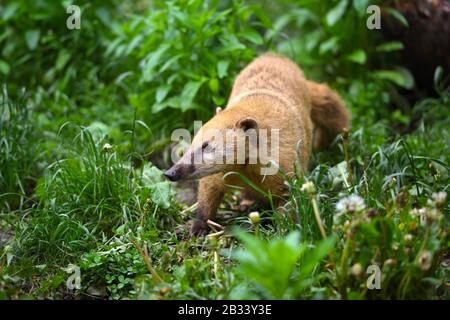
{"points": [[204, 145]]}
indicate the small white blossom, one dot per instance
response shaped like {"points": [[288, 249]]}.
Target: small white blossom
{"points": [[408, 237], [434, 214], [421, 214], [438, 199], [357, 269], [254, 217], [350, 204], [107, 146], [417, 212], [390, 262], [425, 259], [308, 187]]}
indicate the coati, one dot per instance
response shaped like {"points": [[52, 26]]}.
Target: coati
{"points": [[271, 93]]}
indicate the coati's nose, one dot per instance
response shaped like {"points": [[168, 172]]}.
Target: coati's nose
{"points": [[172, 174]]}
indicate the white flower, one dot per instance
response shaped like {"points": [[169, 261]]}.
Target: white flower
{"points": [[357, 269], [408, 237], [425, 259], [107, 146], [254, 217], [421, 214], [308, 187], [417, 212], [350, 204], [439, 199], [434, 214]]}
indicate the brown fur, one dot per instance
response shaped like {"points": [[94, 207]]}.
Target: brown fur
{"points": [[328, 113], [270, 92]]}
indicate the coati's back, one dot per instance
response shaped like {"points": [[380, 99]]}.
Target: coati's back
{"points": [[276, 75], [271, 74]]}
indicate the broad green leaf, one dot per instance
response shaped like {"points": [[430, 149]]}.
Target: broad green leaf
{"points": [[438, 75], [336, 13], [269, 264], [222, 68], [358, 56], [397, 15], [152, 60], [252, 36], [219, 101], [162, 92], [314, 256], [231, 43], [188, 94], [9, 11], [390, 46], [214, 85], [169, 63], [328, 45], [401, 77], [361, 6], [160, 190], [63, 58], [4, 67], [151, 175], [104, 16], [160, 194], [32, 38]]}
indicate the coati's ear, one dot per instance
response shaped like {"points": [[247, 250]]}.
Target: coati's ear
{"points": [[218, 109], [246, 124]]}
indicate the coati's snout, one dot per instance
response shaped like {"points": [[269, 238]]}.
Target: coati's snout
{"points": [[179, 171]]}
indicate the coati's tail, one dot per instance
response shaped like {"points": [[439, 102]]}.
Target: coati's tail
{"points": [[329, 114]]}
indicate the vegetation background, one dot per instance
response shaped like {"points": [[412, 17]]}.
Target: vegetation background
{"points": [[85, 123]]}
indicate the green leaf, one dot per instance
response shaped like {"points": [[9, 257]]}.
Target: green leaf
{"points": [[222, 68], [188, 94], [328, 45], [103, 14], [218, 101], [9, 11], [152, 60], [32, 38], [161, 92], [252, 36], [4, 67], [160, 190], [397, 15], [390, 46], [361, 6], [336, 13], [269, 264], [160, 194], [231, 43], [358, 56], [63, 58], [314, 256], [214, 85], [401, 77], [438, 75], [151, 175]]}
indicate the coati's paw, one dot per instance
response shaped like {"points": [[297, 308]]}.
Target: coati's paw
{"points": [[198, 228]]}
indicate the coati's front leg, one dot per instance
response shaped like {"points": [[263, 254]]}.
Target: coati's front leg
{"points": [[210, 193]]}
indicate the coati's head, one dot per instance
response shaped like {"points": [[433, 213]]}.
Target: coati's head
{"points": [[221, 145]]}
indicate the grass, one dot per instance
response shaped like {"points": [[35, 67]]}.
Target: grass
{"points": [[94, 210], [18, 153], [81, 184]]}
